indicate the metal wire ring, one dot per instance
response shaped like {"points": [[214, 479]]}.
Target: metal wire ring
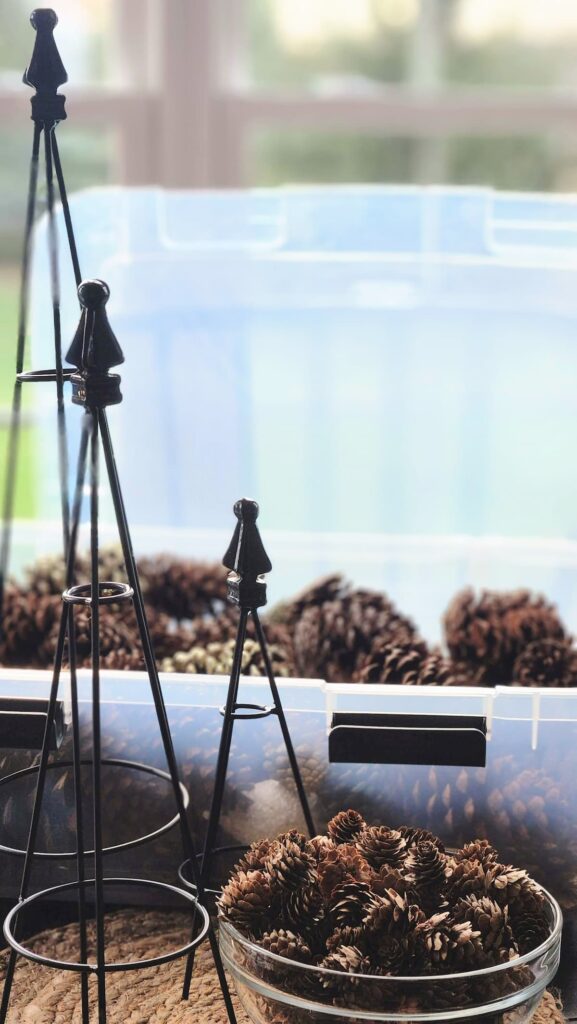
{"points": [[109, 592], [185, 866], [91, 968], [110, 762], [253, 711], [43, 376]]}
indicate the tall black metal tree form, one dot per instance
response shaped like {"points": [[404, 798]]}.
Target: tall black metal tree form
{"points": [[94, 351], [247, 561], [45, 74]]}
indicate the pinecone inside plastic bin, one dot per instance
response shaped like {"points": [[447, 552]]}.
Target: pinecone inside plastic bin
{"points": [[546, 663], [488, 632], [409, 663], [322, 902], [334, 635]]}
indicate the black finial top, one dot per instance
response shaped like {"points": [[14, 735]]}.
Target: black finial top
{"points": [[246, 558], [94, 350], [46, 72]]}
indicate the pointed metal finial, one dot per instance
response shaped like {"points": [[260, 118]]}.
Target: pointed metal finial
{"points": [[246, 558], [46, 72], [95, 350]]}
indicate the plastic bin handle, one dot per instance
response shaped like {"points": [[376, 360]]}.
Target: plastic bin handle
{"points": [[367, 738]]}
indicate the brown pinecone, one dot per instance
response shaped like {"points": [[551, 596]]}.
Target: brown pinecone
{"points": [[319, 846], [285, 943], [443, 945], [413, 836], [391, 914], [349, 903], [348, 960], [247, 901], [429, 869], [507, 884], [345, 826], [289, 867], [546, 663], [347, 936], [469, 877], [301, 907], [183, 589], [478, 849], [393, 661], [531, 928], [494, 628], [436, 670], [492, 923], [28, 619], [47, 575], [332, 639], [327, 588], [255, 857], [381, 845]]}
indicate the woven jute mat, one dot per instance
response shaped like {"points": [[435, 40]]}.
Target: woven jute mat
{"points": [[41, 995]]}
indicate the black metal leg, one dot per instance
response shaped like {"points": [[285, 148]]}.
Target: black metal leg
{"points": [[66, 210], [76, 742], [55, 288], [96, 733], [220, 776], [284, 727], [156, 688], [14, 433]]}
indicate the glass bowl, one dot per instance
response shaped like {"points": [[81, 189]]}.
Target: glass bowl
{"points": [[274, 990]]}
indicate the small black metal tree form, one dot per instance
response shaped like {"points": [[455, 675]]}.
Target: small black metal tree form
{"points": [[247, 561], [45, 74], [94, 351]]}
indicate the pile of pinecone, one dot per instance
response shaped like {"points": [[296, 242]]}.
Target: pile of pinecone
{"points": [[385, 902], [331, 630]]}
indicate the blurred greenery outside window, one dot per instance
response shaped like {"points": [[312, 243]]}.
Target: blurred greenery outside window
{"points": [[312, 47]]}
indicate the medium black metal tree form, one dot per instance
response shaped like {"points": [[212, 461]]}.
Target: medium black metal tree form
{"points": [[94, 351], [45, 74], [247, 561]]}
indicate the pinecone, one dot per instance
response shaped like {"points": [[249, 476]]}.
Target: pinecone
{"points": [[332, 639], [393, 661], [345, 826], [327, 588], [381, 845], [289, 867], [347, 936], [183, 589], [393, 915], [255, 857], [413, 836], [285, 943], [492, 923], [350, 902], [469, 877], [531, 929], [345, 959], [27, 621], [443, 945], [302, 907], [507, 884], [546, 663], [319, 846], [429, 870], [48, 574], [493, 629], [247, 901], [217, 659], [478, 849], [436, 670]]}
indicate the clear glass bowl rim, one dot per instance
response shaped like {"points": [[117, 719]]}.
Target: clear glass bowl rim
{"points": [[550, 941]]}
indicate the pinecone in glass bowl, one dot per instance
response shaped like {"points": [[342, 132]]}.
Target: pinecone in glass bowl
{"points": [[445, 916]]}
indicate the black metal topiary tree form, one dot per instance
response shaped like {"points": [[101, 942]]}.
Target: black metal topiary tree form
{"points": [[45, 74], [95, 350]]}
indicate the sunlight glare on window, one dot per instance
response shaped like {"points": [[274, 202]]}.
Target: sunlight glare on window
{"points": [[532, 21]]}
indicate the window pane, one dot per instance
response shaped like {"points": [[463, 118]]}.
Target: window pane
{"points": [[83, 36], [526, 163], [320, 44]]}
